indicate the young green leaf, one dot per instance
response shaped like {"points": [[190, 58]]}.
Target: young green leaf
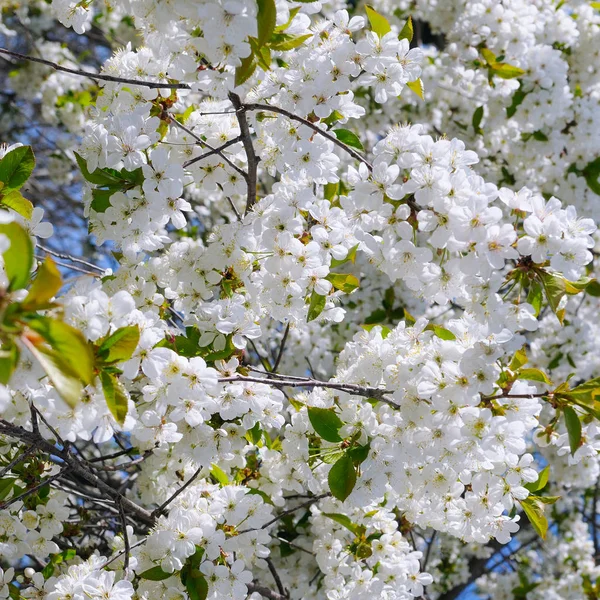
{"points": [[45, 286], [119, 346], [343, 282], [155, 574], [379, 24], [99, 177], [246, 69], [326, 423], [63, 377], [115, 395], [477, 118], [9, 358], [219, 475], [316, 306], [18, 259], [196, 586], [282, 42], [345, 522], [417, 87], [267, 15], [18, 203], [506, 71], [15, 167], [69, 343], [542, 480], [534, 375], [573, 428], [342, 478], [407, 32], [349, 138], [534, 509]]}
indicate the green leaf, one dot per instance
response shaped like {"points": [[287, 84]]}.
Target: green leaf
{"points": [[115, 395], [359, 453], [417, 87], [101, 199], [99, 177], [155, 574], [573, 428], [534, 509], [506, 71], [342, 478], [119, 346], [585, 396], [441, 332], [407, 32], [16, 202], [534, 375], [535, 297], [255, 434], [316, 306], [349, 138], [477, 118], [15, 167], [45, 286], [555, 289], [593, 288], [282, 42], [267, 15], [9, 358], [379, 24], [343, 282], [350, 257], [18, 259], [219, 475], [69, 343], [326, 423], [518, 360], [517, 100], [65, 380], [246, 69], [541, 482], [196, 586], [346, 522]]}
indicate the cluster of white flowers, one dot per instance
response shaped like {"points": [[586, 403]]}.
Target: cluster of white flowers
{"points": [[275, 229]]}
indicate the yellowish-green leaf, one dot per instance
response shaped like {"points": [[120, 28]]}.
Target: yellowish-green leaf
{"points": [[316, 306], [506, 71], [64, 379], [534, 375], [534, 509], [417, 87], [15, 201], [379, 24], [349, 138], [119, 346], [344, 282], [45, 286], [407, 32], [115, 395], [219, 475], [73, 349], [18, 259], [542, 480]]}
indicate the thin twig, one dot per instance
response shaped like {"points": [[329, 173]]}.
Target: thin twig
{"points": [[254, 588], [166, 503], [70, 257], [276, 578], [281, 349], [287, 512], [218, 150], [19, 458], [30, 491], [96, 76]]}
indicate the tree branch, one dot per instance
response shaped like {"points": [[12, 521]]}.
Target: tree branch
{"points": [[240, 111]]}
